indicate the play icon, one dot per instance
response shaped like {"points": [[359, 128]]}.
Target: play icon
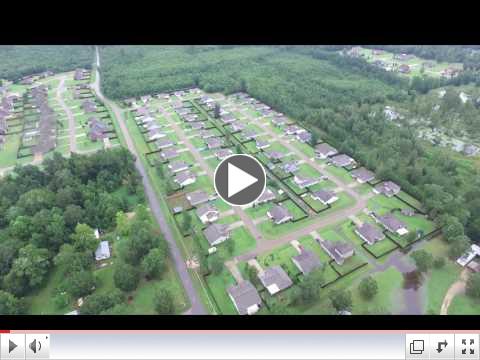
{"points": [[239, 179], [11, 346]]}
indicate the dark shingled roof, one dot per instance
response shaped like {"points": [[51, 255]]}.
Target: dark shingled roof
{"points": [[244, 295], [306, 261], [370, 233], [275, 279]]}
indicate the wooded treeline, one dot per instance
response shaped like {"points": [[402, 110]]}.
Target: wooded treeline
{"points": [[17, 61]]}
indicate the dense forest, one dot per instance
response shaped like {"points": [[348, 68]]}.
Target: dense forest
{"points": [[341, 98], [17, 61], [48, 216]]}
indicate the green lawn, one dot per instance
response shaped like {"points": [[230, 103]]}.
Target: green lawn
{"points": [[40, 302], [464, 305], [218, 285], [340, 173], [389, 284], [283, 257], [8, 152], [438, 281], [305, 148]]}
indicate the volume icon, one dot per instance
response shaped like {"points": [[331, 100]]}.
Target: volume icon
{"points": [[35, 346]]}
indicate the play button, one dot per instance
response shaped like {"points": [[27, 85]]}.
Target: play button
{"points": [[11, 346], [239, 179]]}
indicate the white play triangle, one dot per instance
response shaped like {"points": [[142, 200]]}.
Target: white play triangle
{"points": [[238, 180]]}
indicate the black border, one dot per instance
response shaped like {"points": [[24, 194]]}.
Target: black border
{"points": [[233, 322]]}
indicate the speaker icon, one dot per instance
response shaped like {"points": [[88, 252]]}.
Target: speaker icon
{"points": [[35, 346]]}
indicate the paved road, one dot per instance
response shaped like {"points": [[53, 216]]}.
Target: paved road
{"points": [[71, 118], [180, 265]]}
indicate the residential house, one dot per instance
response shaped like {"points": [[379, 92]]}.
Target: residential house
{"points": [[228, 118], [306, 261], [97, 129], [103, 251], [155, 134], [294, 130], [197, 197], [304, 182], [275, 279], [249, 134], [223, 153], [185, 178], [197, 125], [216, 233], [290, 167], [369, 233], [279, 215], [169, 154], [392, 224], [275, 155], [245, 298], [164, 143], [261, 144], [214, 143], [237, 126], [207, 134], [177, 166], [208, 213], [304, 137], [279, 121], [387, 188], [326, 197], [362, 175], [81, 74], [342, 160], [323, 151], [89, 106], [190, 118], [266, 196], [142, 111], [338, 251], [466, 258]]}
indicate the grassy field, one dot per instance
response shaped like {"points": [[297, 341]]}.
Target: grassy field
{"points": [[389, 284], [464, 305], [438, 281]]}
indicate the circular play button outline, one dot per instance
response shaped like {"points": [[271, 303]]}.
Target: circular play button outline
{"points": [[248, 194]]}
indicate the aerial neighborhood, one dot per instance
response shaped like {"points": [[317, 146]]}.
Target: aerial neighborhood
{"points": [[362, 212]]}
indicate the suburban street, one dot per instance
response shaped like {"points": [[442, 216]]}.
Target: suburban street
{"points": [[197, 307], [68, 112]]}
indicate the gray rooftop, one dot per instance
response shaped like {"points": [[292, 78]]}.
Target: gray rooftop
{"points": [[275, 277], [325, 149], [215, 231], [197, 197], [279, 213], [244, 295], [391, 222], [342, 160], [324, 195], [370, 233], [307, 261], [363, 174]]}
